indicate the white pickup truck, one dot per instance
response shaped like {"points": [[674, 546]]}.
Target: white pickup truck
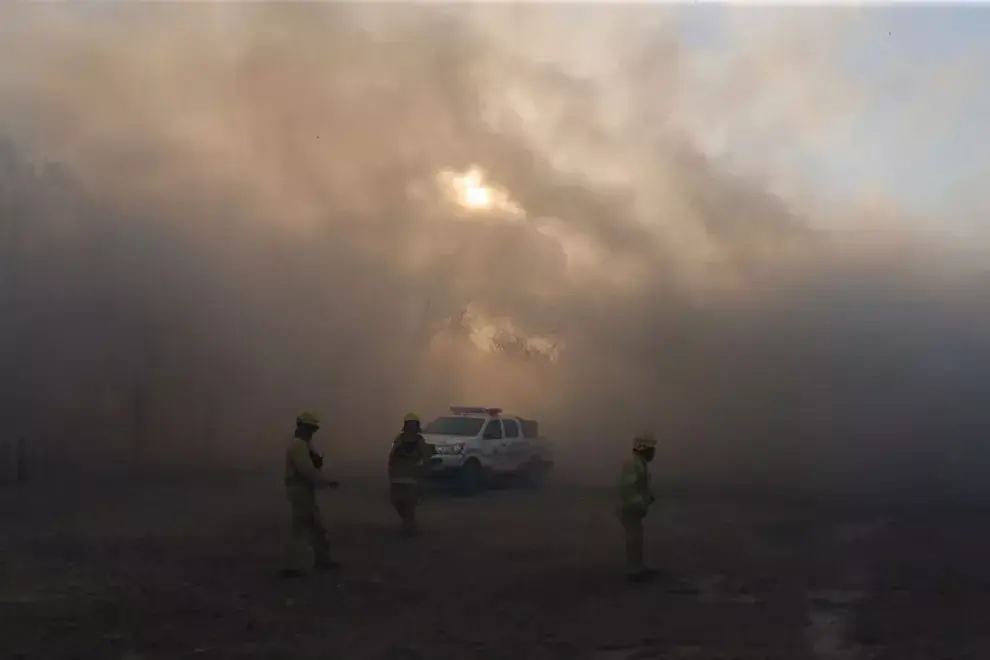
{"points": [[476, 446]]}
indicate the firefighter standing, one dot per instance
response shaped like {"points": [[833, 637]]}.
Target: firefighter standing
{"points": [[405, 460], [302, 479], [635, 498]]}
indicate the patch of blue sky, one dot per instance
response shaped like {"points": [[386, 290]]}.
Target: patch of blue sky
{"points": [[926, 74], [919, 134]]}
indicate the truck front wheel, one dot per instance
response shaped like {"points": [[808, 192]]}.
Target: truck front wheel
{"points": [[470, 478]]}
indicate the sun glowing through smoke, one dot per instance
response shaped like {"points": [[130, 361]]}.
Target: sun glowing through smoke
{"points": [[472, 192]]}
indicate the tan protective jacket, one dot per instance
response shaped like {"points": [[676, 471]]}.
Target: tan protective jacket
{"points": [[634, 488], [299, 467], [405, 460]]}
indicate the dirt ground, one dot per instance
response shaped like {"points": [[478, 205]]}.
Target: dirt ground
{"points": [[186, 568]]}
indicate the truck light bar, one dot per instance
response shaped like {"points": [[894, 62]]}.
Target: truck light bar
{"points": [[475, 410]]}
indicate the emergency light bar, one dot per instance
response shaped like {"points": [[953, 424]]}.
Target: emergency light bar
{"points": [[475, 410]]}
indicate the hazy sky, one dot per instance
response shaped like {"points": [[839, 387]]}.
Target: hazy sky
{"points": [[926, 158], [909, 143]]}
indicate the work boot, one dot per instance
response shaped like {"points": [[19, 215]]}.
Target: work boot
{"points": [[290, 573], [641, 575], [327, 565]]}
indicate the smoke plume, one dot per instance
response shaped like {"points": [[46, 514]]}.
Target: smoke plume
{"points": [[216, 215]]}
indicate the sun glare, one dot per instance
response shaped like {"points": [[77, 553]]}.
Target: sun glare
{"points": [[469, 190], [472, 192], [477, 197]]}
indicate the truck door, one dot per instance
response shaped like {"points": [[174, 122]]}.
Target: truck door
{"points": [[493, 441], [515, 446]]}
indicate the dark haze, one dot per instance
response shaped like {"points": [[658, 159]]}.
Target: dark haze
{"points": [[249, 216]]}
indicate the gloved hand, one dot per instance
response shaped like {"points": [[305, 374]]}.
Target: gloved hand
{"points": [[317, 459]]}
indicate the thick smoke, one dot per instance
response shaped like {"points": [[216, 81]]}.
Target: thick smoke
{"points": [[255, 211]]}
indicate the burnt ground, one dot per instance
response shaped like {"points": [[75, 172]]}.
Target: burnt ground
{"points": [[185, 568]]}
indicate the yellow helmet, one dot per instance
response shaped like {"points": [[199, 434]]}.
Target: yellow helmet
{"points": [[307, 418], [411, 417], [645, 440]]}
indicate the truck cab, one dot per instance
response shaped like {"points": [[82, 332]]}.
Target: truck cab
{"points": [[476, 445]]}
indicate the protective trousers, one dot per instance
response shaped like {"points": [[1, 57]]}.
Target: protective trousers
{"points": [[307, 544], [632, 524], [404, 497]]}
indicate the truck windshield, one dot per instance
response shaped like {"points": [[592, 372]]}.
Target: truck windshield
{"points": [[465, 426]]}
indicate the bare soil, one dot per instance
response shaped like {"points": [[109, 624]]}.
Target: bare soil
{"points": [[187, 568]]}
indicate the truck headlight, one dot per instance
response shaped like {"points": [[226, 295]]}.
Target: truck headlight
{"points": [[450, 450]]}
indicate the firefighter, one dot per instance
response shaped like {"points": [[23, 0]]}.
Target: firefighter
{"points": [[409, 451], [302, 479], [635, 497]]}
